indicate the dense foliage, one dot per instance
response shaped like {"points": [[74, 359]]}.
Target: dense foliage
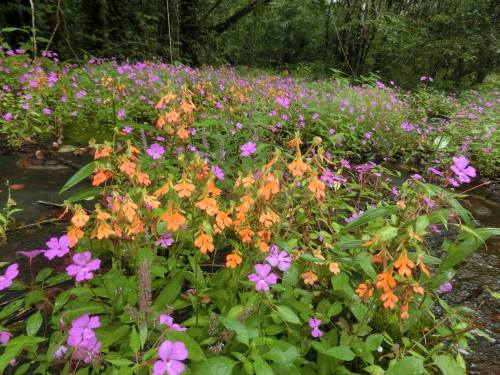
{"points": [[235, 227], [454, 41]]}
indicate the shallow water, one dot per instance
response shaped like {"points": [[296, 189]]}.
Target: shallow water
{"points": [[474, 279]]}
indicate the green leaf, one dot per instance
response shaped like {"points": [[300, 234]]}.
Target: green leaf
{"points": [[448, 365], [341, 352], [115, 335], [195, 351], [215, 366], [373, 341], [236, 326], [15, 347], [85, 195], [287, 314], [261, 367], [369, 216], [406, 366], [79, 176], [120, 362], [34, 323], [170, 292], [135, 341]]}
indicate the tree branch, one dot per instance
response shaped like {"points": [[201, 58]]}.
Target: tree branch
{"points": [[230, 21]]}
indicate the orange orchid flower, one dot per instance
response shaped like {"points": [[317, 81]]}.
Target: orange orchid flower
{"points": [[309, 277], [101, 177], [298, 167], [80, 218], [209, 205], [163, 190], [404, 265], [184, 188], [103, 152], [385, 281], [222, 221], [403, 312], [263, 247], [364, 292], [246, 235], [74, 234], [143, 178], [389, 299], [204, 242], [423, 268], [317, 187], [233, 259], [127, 167], [334, 267], [174, 220], [104, 230]]}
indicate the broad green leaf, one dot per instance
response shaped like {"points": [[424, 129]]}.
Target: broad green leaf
{"points": [[369, 216], [14, 347], [134, 341], [341, 352], [34, 323], [406, 366], [219, 365], [79, 176], [448, 365], [170, 292], [287, 314], [261, 367], [84, 195], [236, 326]]}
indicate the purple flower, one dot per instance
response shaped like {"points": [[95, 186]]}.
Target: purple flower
{"points": [[81, 337], [60, 352], [447, 287], [354, 216], [165, 240], [121, 114], [172, 355], [127, 130], [5, 337], [314, 324], [248, 149], [284, 102], [462, 169], [435, 171], [416, 177], [279, 259], [57, 247], [169, 322], [218, 172], [82, 266], [156, 151], [47, 111], [8, 116], [379, 85], [10, 274], [31, 254], [263, 277]]}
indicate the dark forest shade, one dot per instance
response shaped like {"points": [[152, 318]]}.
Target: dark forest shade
{"points": [[455, 41]]}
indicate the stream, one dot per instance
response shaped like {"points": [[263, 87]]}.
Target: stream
{"points": [[40, 181]]}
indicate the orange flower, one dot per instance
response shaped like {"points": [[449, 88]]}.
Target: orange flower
{"points": [[101, 177], [102, 153], [209, 205], [317, 187], [334, 267], [404, 265], [222, 220], [246, 235], [212, 189], [423, 268], [204, 242], [232, 260], [309, 277], [104, 230], [418, 289], [389, 299], [129, 209], [161, 122], [248, 181], [364, 292], [184, 188], [403, 312], [263, 247], [182, 133], [143, 178], [294, 143], [174, 220], [163, 190], [271, 188], [298, 167], [151, 201], [172, 117], [127, 167], [385, 281], [74, 234], [268, 218], [80, 218]]}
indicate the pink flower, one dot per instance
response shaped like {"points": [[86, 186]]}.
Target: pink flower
{"points": [[31, 254], [156, 151], [248, 149], [279, 259], [447, 287], [314, 324], [5, 337], [83, 266], [263, 277], [462, 169], [57, 247], [169, 322], [10, 274], [172, 355], [82, 338]]}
